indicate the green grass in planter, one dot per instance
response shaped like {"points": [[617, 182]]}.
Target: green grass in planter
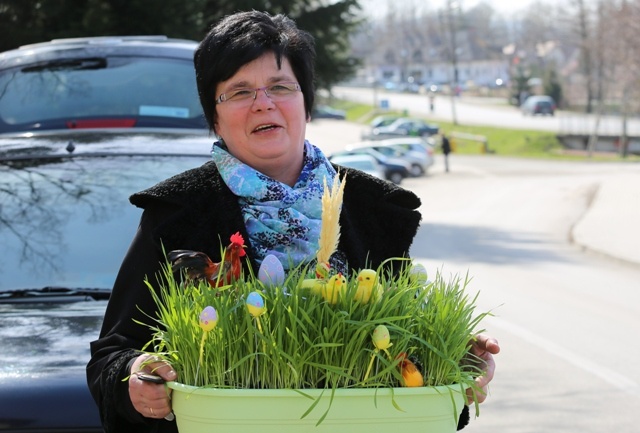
{"points": [[303, 342]]}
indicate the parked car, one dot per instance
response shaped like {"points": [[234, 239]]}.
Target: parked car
{"points": [[326, 112], [395, 169], [404, 127], [366, 163], [414, 150], [102, 82], [84, 123], [539, 104], [382, 120]]}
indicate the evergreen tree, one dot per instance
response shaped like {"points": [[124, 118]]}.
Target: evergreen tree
{"points": [[30, 21]]}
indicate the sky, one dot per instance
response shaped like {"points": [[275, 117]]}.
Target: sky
{"points": [[378, 7], [499, 5]]}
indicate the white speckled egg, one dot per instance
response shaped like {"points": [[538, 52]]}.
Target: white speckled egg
{"points": [[418, 274]]}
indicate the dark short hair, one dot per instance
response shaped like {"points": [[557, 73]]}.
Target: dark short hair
{"points": [[239, 39]]}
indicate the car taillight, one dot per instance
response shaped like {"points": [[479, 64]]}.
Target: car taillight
{"points": [[101, 123]]}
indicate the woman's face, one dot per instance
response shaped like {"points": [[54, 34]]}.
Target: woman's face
{"points": [[267, 135]]}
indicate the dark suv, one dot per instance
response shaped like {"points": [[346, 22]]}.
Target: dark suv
{"points": [[84, 123], [102, 82], [539, 104]]}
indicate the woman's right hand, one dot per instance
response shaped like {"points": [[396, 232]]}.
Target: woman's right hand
{"points": [[152, 400]]}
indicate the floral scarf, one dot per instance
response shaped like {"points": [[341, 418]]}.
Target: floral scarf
{"points": [[281, 220]]}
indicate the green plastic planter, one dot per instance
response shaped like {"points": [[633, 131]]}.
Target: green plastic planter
{"points": [[427, 409]]}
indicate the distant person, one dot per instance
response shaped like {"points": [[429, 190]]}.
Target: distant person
{"points": [[432, 101], [446, 150]]}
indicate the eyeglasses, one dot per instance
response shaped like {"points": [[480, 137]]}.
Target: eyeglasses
{"points": [[276, 92]]}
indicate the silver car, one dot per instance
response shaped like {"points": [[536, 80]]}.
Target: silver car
{"points": [[416, 152]]}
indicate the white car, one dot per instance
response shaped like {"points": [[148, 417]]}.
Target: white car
{"points": [[365, 163]]}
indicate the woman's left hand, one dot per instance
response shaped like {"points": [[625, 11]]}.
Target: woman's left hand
{"points": [[484, 347]]}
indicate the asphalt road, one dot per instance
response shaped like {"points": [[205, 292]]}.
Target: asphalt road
{"points": [[567, 319]]}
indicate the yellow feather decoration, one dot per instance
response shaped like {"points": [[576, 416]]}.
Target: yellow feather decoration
{"points": [[330, 230]]}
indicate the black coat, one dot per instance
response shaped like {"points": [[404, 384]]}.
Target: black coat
{"points": [[195, 210]]}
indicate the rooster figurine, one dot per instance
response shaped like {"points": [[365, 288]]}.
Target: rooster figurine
{"points": [[410, 371], [200, 267]]}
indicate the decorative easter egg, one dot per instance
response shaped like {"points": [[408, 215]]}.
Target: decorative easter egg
{"points": [[322, 270], [208, 318], [381, 338], [418, 274], [255, 304], [271, 272]]}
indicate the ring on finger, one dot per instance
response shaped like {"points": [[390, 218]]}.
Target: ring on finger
{"points": [[152, 413]]}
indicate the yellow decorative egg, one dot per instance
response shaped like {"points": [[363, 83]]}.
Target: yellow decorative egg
{"points": [[381, 338]]}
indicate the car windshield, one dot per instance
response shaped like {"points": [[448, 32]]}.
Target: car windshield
{"points": [[113, 91], [68, 222], [360, 164]]}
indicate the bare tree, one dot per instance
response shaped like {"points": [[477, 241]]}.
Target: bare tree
{"points": [[625, 18], [586, 48]]}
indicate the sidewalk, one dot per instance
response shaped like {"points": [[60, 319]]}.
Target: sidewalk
{"points": [[611, 226]]}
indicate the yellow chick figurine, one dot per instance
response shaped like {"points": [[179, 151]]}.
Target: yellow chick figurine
{"points": [[331, 290], [314, 284], [368, 286]]}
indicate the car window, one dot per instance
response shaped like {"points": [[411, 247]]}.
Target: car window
{"points": [[60, 92], [387, 151]]}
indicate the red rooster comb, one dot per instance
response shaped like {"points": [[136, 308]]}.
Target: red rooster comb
{"points": [[238, 241]]}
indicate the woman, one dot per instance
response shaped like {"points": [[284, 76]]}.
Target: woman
{"points": [[255, 80]]}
